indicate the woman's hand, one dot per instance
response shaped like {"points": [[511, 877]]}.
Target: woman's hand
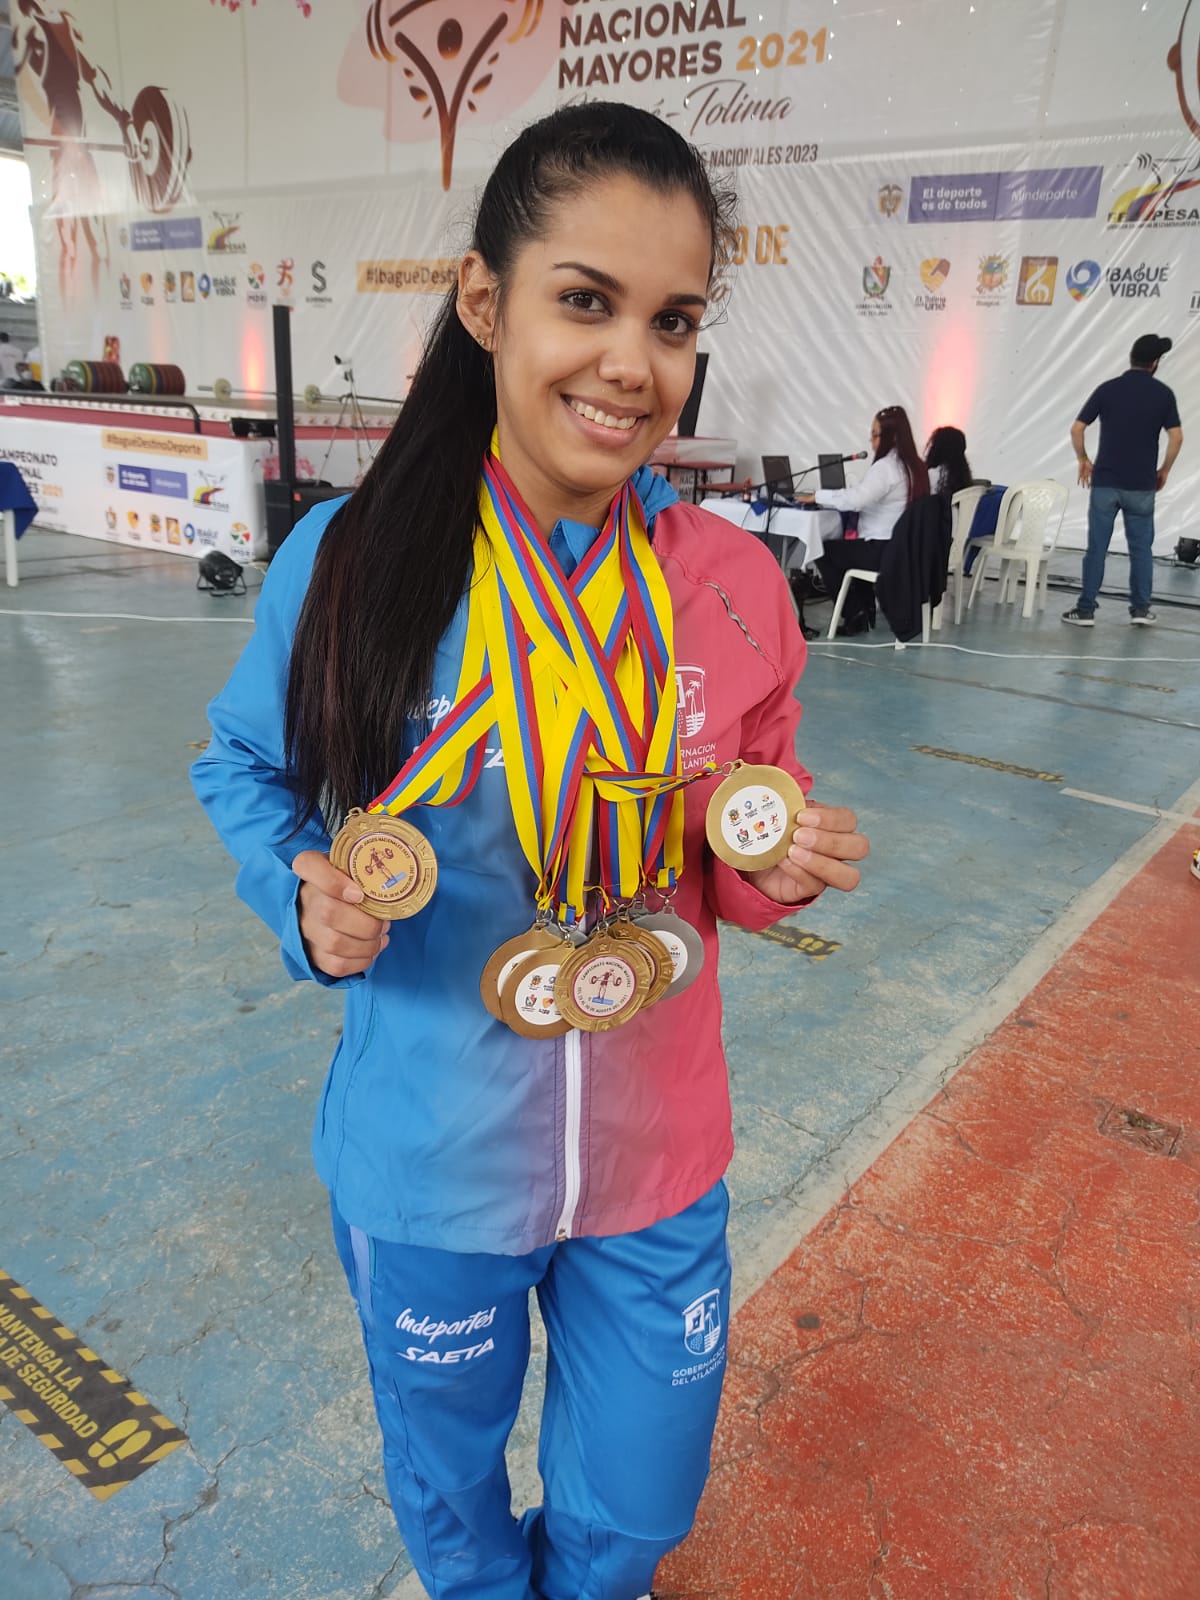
{"points": [[339, 938], [824, 845]]}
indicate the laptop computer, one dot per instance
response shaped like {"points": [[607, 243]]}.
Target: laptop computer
{"points": [[833, 472], [777, 476]]}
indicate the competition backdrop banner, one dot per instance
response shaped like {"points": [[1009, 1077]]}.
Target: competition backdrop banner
{"points": [[970, 209]]}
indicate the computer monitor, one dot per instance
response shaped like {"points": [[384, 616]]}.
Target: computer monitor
{"points": [[691, 406], [777, 475], [833, 472]]}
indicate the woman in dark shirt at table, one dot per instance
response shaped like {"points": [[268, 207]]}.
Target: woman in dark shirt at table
{"points": [[946, 459]]}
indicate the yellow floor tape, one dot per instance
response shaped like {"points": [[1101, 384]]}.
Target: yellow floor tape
{"points": [[87, 1415]]}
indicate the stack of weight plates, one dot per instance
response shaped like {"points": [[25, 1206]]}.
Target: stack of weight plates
{"points": [[95, 377], [150, 377]]}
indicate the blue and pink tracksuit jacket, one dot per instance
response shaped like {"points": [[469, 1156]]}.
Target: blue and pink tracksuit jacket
{"points": [[439, 1126]]}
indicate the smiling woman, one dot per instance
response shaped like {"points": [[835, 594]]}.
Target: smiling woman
{"points": [[563, 660], [592, 367]]}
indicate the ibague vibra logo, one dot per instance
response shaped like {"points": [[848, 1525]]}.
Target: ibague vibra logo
{"points": [[1142, 280], [1082, 279]]}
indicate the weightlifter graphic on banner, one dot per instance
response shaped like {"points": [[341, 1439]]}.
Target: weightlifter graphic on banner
{"points": [[52, 70]]}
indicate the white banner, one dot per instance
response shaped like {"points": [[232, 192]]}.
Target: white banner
{"points": [[968, 210], [132, 485]]}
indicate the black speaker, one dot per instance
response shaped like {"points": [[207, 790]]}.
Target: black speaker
{"points": [[286, 504]]}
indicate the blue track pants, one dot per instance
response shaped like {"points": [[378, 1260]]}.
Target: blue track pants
{"points": [[636, 1328]]}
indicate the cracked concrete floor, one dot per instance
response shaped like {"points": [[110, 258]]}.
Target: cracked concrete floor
{"points": [[977, 1376], [160, 1074]]}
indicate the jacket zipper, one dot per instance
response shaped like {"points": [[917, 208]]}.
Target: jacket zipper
{"points": [[571, 1160]]}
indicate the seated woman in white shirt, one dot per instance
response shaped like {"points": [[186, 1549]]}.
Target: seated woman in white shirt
{"points": [[895, 478]]}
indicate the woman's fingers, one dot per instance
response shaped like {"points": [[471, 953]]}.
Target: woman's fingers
{"points": [[341, 939], [820, 872], [828, 834]]}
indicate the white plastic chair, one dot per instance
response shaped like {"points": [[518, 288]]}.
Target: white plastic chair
{"points": [[1027, 528], [869, 576], [963, 506]]}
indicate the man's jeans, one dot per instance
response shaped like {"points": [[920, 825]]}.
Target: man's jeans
{"points": [[1137, 509]]}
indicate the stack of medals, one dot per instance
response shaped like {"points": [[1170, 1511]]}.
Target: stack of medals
{"points": [[584, 676], [579, 676]]}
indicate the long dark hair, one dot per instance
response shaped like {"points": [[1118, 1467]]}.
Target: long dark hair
{"points": [[947, 448], [396, 559], [895, 433]]}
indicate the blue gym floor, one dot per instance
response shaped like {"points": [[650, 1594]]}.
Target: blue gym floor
{"points": [[160, 1073]]}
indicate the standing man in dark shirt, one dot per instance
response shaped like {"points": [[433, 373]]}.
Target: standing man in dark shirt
{"points": [[1133, 409]]}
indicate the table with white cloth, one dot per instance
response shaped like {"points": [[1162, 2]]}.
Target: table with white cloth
{"points": [[802, 534]]}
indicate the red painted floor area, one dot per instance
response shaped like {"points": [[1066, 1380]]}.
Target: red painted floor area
{"points": [[978, 1378]]}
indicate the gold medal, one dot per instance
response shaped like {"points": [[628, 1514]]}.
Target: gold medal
{"points": [[661, 968], [391, 861], [751, 816], [506, 958], [603, 983], [528, 995]]}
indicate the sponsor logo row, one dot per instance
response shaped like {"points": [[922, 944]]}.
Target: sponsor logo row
{"points": [[1166, 195], [162, 529], [1034, 282], [206, 492], [258, 286], [187, 286]]}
